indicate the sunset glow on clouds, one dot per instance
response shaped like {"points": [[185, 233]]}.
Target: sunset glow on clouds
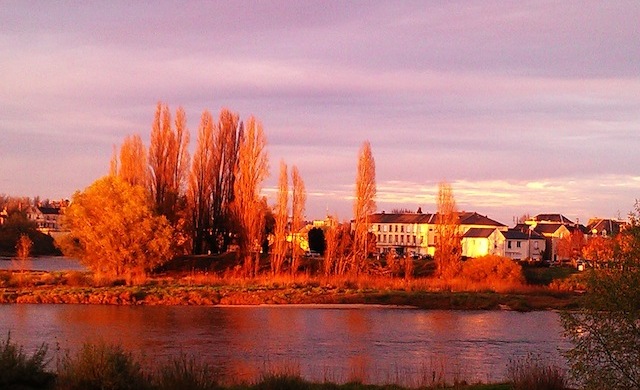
{"points": [[525, 107]]}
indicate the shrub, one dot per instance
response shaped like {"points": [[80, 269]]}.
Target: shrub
{"points": [[495, 272], [100, 366], [531, 374], [282, 381], [17, 370], [185, 373]]}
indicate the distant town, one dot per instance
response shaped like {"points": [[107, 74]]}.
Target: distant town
{"points": [[537, 238]]}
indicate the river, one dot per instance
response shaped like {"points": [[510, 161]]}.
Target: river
{"points": [[338, 343], [42, 263]]}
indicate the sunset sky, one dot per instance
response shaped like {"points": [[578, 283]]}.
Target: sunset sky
{"points": [[523, 106]]}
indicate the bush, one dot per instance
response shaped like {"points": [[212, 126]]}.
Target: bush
{"points": [[531, 374], [17, 370], [495, 272], [100, 366], [185, 373]]}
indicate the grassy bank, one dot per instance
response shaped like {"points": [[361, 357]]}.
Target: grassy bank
{"points": [[110, 367], [204, 289]]}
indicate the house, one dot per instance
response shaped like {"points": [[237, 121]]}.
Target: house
{"points": [[605, 227], [511, 243], [47, 218], [553, 227], [415, 233], [3, 216]]}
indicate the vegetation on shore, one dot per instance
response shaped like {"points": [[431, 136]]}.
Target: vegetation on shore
{"points": [[200, 288], [110, 367]]}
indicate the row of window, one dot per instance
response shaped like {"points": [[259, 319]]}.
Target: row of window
{"points": [[397, 239], [396, 228]]}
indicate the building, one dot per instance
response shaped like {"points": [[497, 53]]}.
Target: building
{"points": [[511, 243], [553, 227], [605, 227], [415, 233], [48, 218]]}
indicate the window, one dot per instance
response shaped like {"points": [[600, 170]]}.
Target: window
{"points": [[402, 229], [535, 245], [402, 238], [509, 244], [378, 227], [396, 238], [518, 244], [396, 228]]}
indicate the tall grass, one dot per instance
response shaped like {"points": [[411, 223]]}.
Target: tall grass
{"points": [[531, 373], [19, 371], [100, 366]]}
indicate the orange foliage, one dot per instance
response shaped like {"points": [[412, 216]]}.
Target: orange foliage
{"points": [[495, 272]]}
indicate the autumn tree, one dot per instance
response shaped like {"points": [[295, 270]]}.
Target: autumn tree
{"points": [[199, 190], [114, 231], [338, 247], [599, 250], [132, 165], [253, 168], [281, 220], [570, 246], [447, 230], [299, 199], [364, 205], [226, 148], [168, 160]]}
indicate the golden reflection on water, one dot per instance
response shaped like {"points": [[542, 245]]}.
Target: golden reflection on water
{"points": [[339, 344]]}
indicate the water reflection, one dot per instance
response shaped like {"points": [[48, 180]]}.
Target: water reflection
{"points": [[369, 343]]}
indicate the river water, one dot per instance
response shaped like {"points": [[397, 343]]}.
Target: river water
{"points": [[42, 263], [338, 343]]}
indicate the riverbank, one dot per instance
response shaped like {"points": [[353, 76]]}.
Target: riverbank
{"points": [[81, 288]]}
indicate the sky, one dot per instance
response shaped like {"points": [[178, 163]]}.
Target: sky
{"points": [[524, 107]]}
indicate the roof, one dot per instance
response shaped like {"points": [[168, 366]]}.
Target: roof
{"points": [[547, 228], [401, 218], [556, 218], [513, 234], [473, 218], [479, 232], [610, 226], [49, 210], [466, 218]]}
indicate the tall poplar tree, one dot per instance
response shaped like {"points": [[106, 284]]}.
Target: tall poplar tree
{"points": [[448, 247], [364, 205], [168, 160], [226, 146], [253, 168], [282, 218], [132, 167], [299, 199], [199, 192]]}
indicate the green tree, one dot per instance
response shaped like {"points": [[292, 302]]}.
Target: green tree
{"points": [[606, 332], [114, 231]]}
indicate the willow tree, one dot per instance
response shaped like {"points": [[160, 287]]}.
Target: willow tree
{"points": [[364, 205], [253, 168], [448, 249], [114, 231], [281, 219], [168, 160], [132, 164], [298, 203], [199, 190], [226, 147]]}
